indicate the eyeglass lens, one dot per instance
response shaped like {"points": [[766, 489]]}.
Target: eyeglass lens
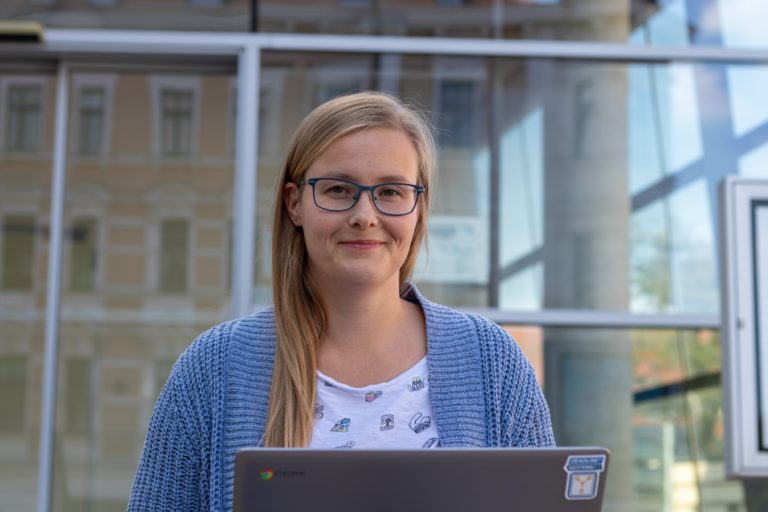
{"points": [[389, 198]]}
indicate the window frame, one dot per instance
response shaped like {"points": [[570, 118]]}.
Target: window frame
{"points": [[6, 83], [158, 84], [79, 82]]}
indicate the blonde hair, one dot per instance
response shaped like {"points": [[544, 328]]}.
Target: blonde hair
{"points": [[300, 319]]}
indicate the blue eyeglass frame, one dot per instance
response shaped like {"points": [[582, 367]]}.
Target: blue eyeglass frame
{"points": [[420, 189]]}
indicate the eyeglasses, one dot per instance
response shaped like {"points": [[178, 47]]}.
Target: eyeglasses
{"points": [[338, 195]]}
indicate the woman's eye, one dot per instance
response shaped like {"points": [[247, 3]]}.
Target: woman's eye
{"points": [[337, 190], [390, 193]]}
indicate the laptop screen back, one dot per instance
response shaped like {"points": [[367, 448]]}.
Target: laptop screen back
{"points": [[445, 480]]}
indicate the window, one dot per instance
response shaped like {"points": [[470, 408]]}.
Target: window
{"points": [[457, 113], [13, 385], [18, 252], [79, 400], [91, 120], [24, 117], [82, 265], [174, 251], [176, 122]]}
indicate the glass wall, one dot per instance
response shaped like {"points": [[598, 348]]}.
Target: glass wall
{"points": [[726, 23], [672, 406], [145, 261], [27, 102], [205, 15], [577, 185], [568, 184], [563, 184]]}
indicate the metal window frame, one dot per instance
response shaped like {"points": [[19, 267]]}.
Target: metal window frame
{"points": [[71, 48]]}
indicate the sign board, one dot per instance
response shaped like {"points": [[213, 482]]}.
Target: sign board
{"points": [[458, 251], [744, 291]]}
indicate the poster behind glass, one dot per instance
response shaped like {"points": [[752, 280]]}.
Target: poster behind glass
{"points": [[760, 273]]}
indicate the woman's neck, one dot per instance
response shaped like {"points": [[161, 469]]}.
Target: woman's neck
{"points": [[371, 336]]}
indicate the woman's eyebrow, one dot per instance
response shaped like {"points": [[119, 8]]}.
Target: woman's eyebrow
{"points": [[399, 178]]}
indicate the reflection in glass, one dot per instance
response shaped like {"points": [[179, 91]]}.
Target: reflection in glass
{"points": [[678, 432], [18, 252], [146, 263], [667, 26], [25, 170], [521, 202], [693, 279], [749, 104], [83, 257], [737, 18], [203, 15], [91, 120], [23, 117], [755, 163]]}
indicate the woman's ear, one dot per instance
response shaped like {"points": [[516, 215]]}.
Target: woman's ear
{"points": [[291, 198]]}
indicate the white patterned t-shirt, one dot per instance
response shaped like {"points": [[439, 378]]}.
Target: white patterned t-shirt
{"points": [[394, 414]]}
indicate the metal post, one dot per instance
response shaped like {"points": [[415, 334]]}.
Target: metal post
{"points": [[248, 91], [53, 302]]}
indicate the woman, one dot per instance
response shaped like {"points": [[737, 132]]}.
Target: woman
{"points": [[351, 355]]}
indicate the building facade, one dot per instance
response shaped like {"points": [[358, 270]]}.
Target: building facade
{"points": [[581, 147]]}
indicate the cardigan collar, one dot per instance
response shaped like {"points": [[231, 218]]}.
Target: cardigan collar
{"points": [[453, 357], [455, 373]]}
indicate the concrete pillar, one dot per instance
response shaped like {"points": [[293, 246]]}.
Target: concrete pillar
{"points": [[588, 375]]}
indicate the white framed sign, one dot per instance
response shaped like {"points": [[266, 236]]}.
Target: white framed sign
{"points": [[744, 291], [458, 251]]}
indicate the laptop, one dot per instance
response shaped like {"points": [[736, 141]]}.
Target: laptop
{"points": [[444, 480]]}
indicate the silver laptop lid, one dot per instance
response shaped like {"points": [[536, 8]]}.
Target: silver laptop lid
{"points": [[445, 480]]}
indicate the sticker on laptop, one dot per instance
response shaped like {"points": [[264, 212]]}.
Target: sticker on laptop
{"points": [[583, 476]]}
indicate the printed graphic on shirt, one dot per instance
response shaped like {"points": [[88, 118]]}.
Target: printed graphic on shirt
{"points": [[419, 423], [348, 444], [342, 425], [429, 443], [318, 412], [328, 384], [373, 395], [416, 384], [387, 422]]}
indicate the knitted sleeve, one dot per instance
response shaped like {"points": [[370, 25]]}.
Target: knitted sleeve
{"points": [[517, 412], [174, 470], [171, 473]]}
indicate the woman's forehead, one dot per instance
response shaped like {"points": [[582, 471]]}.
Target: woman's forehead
{"points": [[380, 154]]}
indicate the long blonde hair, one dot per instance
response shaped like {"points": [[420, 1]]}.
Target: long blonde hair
{"points": [[300, 319]]}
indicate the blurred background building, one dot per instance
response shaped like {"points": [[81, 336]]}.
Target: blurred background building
{"points": [[581, 145]]}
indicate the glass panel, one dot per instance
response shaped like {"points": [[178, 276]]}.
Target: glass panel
{"points": [[83, 262], [205, 15], [572, 136], [453, 91], [18, 252], [27, 103], [174, 255], [607, 174], [23, 115], [731, 23], [147, 237], [678, 424], [651, 394], [91, 120], [176, 122]]}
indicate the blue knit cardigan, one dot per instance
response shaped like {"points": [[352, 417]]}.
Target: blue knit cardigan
{"points": [[483, 392]]}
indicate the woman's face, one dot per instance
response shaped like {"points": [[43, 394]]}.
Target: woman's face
{"points": [[359, 246]]}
